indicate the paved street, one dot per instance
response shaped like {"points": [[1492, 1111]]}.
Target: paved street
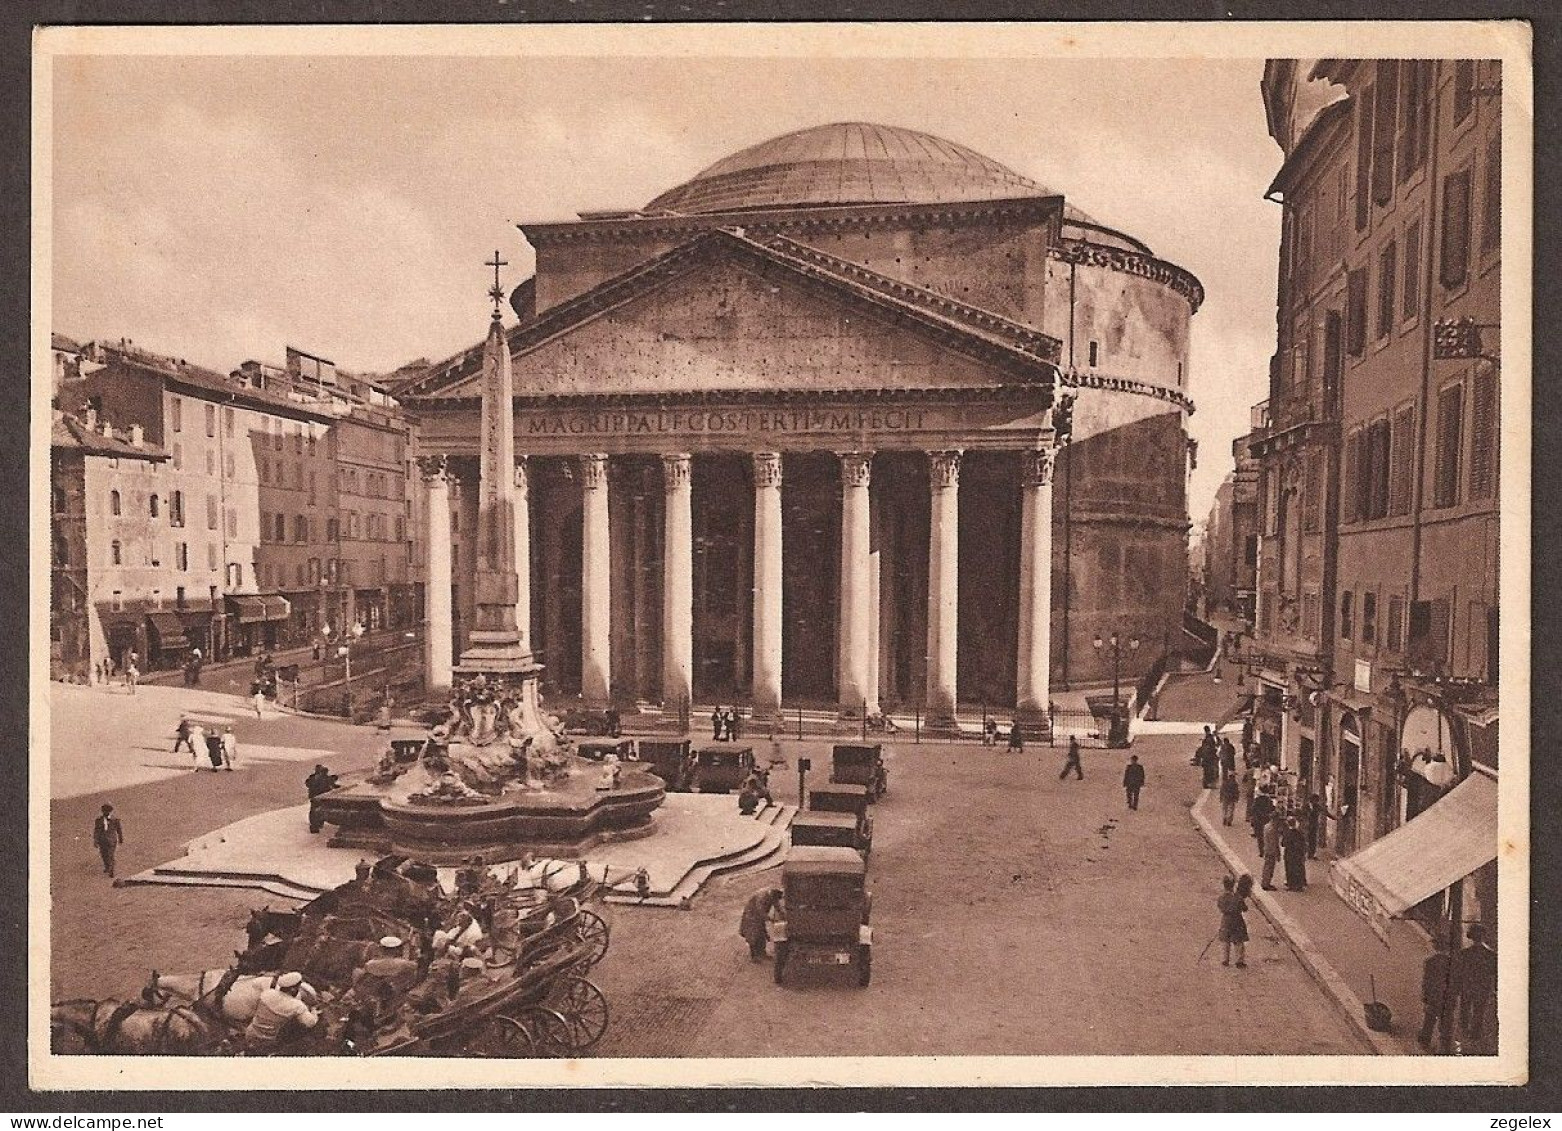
{"points": [[1014, 914]]}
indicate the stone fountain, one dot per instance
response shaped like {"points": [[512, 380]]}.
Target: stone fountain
{"points": [[496, 777]]}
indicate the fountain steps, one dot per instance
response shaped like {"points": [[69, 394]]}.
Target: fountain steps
{"points": [[765, 854]]}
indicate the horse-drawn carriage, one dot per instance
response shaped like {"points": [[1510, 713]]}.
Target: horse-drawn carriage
{"points": [[523, 991]]}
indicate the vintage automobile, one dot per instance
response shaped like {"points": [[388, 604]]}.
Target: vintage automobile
{"points": [[825, 910], [860, 765], [581, 720], [721, 767], [827, 830], [597, 749], [850, 800], [671, 759]]}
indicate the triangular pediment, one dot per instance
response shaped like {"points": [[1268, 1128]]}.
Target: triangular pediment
{"points": [[734, 315]]}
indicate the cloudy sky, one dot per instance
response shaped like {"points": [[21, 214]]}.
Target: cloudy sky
{"points": [[221, 208]]}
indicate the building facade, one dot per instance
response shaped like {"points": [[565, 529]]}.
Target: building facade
{"points": [[1377, 608], [248, 505], [787, 434]]}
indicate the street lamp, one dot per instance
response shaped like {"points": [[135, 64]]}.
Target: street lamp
{"points": [[1116, 645]]}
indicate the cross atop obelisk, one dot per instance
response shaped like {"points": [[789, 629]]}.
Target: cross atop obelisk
{"points": [[496, 292]]}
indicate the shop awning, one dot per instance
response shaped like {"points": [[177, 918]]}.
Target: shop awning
{"points": [[1455, 837], [251, 608], [169, 629]]}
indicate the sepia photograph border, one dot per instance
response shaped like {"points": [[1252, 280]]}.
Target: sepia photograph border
{"points": [[1507, 41]]}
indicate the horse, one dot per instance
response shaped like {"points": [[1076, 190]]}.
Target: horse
{"points": [[265, 922], [225, 995], [84, 1026]]}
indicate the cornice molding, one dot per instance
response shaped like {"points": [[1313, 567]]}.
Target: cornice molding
{"points": [[1131, 263], [1073, 379]]}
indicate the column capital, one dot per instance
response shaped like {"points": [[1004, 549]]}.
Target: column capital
{"points": [[856, 468], [944, 468], [767, 469], [522, 474], [593, 470], [435, 468], [675, 470], [1036, 467]]}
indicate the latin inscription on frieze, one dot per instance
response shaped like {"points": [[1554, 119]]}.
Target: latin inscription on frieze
{"points": [[782, 421]]}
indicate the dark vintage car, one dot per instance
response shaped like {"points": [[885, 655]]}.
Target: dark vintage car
{"points": [[824, 913], [850, 800], [721, 767], [580, 720], [671, 759], [598, 749], [860, 765], [827, 830]]}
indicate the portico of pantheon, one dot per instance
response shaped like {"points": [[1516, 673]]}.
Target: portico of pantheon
{"points": [[786, 436]]}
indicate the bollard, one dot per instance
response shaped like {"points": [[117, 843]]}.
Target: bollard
{"points": [[919, 726], [865, 720], [799, 724]]}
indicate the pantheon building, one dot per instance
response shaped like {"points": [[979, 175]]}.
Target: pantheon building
{"points": [[854, 417]]}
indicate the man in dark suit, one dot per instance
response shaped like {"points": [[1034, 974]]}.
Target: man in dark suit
{"points": [[1437, 996], [1475, 971], [1133, 780], [108, 835]]}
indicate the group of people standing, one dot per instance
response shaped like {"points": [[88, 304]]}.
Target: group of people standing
{"points": [[724, 724], [1285, 830], [221, 748], [128, 670]]}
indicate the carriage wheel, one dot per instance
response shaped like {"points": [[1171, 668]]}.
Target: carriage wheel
{"points": [[584, 1008], [501, 956], [595, 934], [503, 1037], [547, 1030]]}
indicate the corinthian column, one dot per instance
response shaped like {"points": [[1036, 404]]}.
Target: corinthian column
{"points": [[856, 632], [943, 588], [595, 611], [677, 583], [1033, 666], [767, 585], [438, 642]]}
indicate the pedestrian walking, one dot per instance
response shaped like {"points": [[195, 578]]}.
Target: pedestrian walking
{"points": [[1017, 740], [132, 673], [214, 749], [230, 747], [1230, 791], [1263, 808], [730, 722], [716, 721], [1228, 757], [319, 781], [182, 736], [107, 834], [756, 913], [197, 743], [1293, 847], [1073, 762], [1475, 972], [989, 731], [257, 690], [1271, 845], [1133, 780], [1438, 994], [1232, 903], [1312, 823]]}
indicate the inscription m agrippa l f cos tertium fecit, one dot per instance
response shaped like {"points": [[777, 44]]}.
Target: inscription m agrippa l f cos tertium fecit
{"points": [[720, 421]]}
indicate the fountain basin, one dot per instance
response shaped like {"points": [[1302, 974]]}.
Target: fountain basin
{"points": [[566, 821]]}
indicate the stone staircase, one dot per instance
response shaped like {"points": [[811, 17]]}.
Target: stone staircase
{"points": [[167, 875], [756, 858]]}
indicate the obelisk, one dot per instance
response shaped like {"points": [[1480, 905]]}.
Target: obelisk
{"points": [[494, 646]]}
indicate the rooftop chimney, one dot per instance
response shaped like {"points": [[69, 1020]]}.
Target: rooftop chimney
{"points": [[137, 435]]}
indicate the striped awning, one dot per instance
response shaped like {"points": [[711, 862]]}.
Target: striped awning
{"points": [[1430, 852], [169, 629], [252, 608]]}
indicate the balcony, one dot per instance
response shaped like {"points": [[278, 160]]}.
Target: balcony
{"points": [[1260, 417]]}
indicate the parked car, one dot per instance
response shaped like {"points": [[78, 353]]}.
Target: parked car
{"points": [[721, 767], [851, 800], [860, 765], [597, 749], [828, 830], [824, 912], [671, 759]]}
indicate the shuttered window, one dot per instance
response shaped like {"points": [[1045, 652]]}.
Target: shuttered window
{"points": [[1455, 259], [1352, 474], [1411, 291], [1347, 615], [1374, 473], [1400, 475], [1388, 272], [1364, 158], [1415, 115], [1312, 498], [1383, 124], [1483, 436], [1356, 312], [1450, 434], [1394, 638], [1491, 197], [1464, 89]]}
